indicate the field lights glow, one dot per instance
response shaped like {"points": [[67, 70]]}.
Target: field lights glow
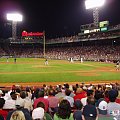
{"points": [[14, 17], [94, 3]]}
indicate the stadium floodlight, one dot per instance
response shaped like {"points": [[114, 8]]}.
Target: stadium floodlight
{"points": [[14, 17], [94, 4]]}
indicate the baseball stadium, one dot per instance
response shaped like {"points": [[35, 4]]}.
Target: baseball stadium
{"points": [[91, 55], [89, 58], [82, 65]]}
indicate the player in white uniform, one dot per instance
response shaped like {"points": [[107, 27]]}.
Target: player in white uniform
{"points": [[81, 60], [117, 66], [46, 62]]}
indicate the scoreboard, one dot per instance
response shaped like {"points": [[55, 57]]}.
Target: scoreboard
{"points": [[95, 27], [103, 24]]}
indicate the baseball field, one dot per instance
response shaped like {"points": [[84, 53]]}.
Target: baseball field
{"points": [[33, 71]]}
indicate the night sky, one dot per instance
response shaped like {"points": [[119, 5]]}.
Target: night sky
{"points": [[57, 17]]}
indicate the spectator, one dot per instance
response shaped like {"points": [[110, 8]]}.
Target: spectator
{"points": [[17, 115], [20, 113], [64, 111], [10, 103], [46, 115], [3, 113], [89, 110], [77, 114], [80, 93], [113, 108], [68, 97], [89, 93], [41, 98]]}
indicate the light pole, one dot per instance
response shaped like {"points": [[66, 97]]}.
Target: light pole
{"points": [[94, 4], [14, 17]]}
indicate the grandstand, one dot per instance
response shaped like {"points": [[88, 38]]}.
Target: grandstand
{"points": [[102, 46]]}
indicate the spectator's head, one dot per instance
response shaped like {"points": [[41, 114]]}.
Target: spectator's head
{"points": [[17, 115], [102, 107], [90, 112], [13, 95], [41, 104], [98, 95], [58, 90], [51, 92], [18, 90], [67, 86], [67, 92], [41, 93], [64, 109], [19, 104], [23, 94], [78, 104], [112, 94], [91, 100], [38, 114], [2, 102], [79, 90], [89, 92]]}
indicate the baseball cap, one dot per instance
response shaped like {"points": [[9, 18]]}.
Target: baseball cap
{"points": [[108, 86], [1, 92], [113, 93], [102, 107], [38, 113], [19, 103], [90, 111]]}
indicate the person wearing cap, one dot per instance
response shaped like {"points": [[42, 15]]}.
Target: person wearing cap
{"points": [[102, 111], [89, 110], [39, 112]]}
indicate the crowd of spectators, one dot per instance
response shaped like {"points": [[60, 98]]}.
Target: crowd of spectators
{"points": [[88, 53], [85, 37], [61, 102], [94, 53], [66, 48]]}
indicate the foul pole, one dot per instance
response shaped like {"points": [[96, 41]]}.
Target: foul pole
{"points": [[44, 44]]}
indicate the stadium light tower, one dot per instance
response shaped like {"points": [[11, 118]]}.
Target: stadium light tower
{"points": [[94, 4], [14, 17]]}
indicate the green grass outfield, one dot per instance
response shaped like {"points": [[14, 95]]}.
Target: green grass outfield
{"points": [[34, 70]]}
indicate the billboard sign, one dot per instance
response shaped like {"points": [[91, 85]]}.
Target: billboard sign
{"points": [[27, 34]]}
